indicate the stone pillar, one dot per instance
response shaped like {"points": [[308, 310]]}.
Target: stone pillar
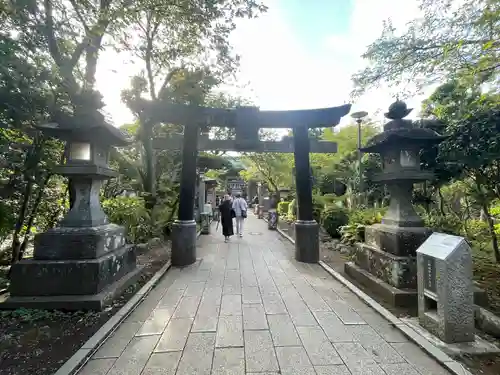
{"points": [[201, 194], [306, 229], [260, 209], [184, 228]]}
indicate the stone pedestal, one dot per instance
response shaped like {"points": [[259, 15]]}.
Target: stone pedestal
{"points": [[183, 243], [388, 255], [74, 269], [205, 223], [306, 241], [260, 212], [386, 263], [272, 220]]}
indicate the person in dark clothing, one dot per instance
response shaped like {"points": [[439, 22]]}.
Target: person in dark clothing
{"points": [[226, 217]]}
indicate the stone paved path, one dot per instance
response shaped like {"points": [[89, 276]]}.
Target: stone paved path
{"points": [[247, 307]]}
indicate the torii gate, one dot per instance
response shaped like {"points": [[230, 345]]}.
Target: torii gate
{"points": [[247, 121]]}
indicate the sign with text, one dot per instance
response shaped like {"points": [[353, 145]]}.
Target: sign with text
{"points": [[445, 288]]}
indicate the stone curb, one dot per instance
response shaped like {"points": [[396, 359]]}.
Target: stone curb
{"points": [[78, 360], [443, 359]]}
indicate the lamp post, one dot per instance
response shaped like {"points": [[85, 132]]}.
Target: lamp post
{"points": [[358, 117]]}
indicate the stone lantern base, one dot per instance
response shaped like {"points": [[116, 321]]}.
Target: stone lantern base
{"points": [[74, 269], [386, 263]]}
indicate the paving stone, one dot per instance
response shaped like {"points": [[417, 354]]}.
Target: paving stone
{"points": [[231, 288], [201, 275], [162, 364], [171, 298], [298, 371], [198, 354], [229, 331], [365, 369], [156, 322], [282, 330], [302, 317], [97, 366], [390, 333], [318, 347], [314, 302], [419, 359], [332, 370], [134, 357], [399, 369], [259, 352], [254, 317], [216, 281], [208, 308], [187, 307], [211, 295], [374, 344], [194, 289], [292, 357], [116, 343], [231, 305], [229, 361], [249, 280], [373, 318], [335, 330], [244, 281], [251, 295], [142, 312], [273, 304], [175, 335], [352, 353], [206, 319], [345, 313]]}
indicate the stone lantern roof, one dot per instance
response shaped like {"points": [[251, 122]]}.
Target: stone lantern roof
{"points": [[69, 128], [400, 133]]}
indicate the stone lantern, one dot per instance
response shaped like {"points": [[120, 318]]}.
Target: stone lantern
{"points": [[390, 247], [84, 261]]}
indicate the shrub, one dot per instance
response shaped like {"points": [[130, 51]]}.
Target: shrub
{"points": [[358, 220], [318, 208], [450, 224], [332, 219], [292, 211], [367, 216], [130, 212], [283, 208]]}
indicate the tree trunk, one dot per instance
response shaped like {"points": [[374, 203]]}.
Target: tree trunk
{"points": [[31, 219], [148, 161], [441, 202], [489, 220], [491, 226], [16, 243]]}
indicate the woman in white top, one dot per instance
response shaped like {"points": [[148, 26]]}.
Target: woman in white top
{"points": [[240, 210]]}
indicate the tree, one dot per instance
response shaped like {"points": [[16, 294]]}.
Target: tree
{"points": [[451, 39], [472, 121], [30, 94], [186, 53], [274, 169]]}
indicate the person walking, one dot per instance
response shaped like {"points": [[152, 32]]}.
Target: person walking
{"points": [[240, 210], [226, 217]]}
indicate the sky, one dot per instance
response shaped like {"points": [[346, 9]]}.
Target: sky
{"points": [[299, 55]]}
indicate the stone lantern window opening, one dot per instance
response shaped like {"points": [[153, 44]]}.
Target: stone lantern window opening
{"points": [[409, 159], [80, 151]]}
